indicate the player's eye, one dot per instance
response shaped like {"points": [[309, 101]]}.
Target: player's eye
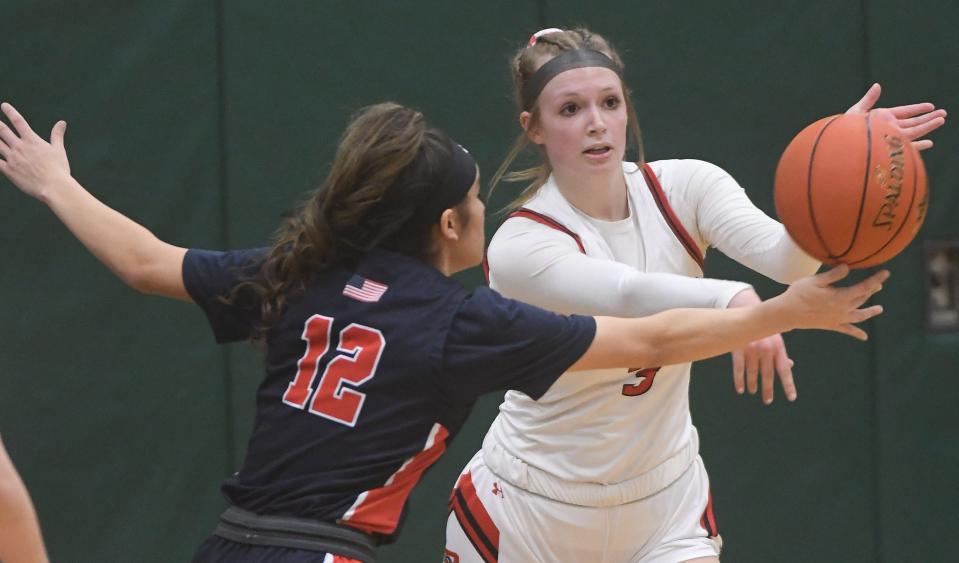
{"points": [[611, 102], [568, 109]]}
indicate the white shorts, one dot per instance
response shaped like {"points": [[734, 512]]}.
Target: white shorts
{"points": [[493, 520]]}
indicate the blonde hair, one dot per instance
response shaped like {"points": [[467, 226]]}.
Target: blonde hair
{"points": [[524, 64]]}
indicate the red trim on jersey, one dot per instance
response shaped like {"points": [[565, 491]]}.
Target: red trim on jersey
{"points": [[708, 520], [474, 519], [652, 182], [341, 559], [542, 220], [549, 222], [378, 510]]}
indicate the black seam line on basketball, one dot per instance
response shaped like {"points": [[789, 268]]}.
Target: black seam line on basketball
{"points": [[905, 220], [464, 508], [812, 215], [662, 210], [865, 186]]}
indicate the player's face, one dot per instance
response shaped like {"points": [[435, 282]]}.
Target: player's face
{"points": [[582, 121], [472, 239]]}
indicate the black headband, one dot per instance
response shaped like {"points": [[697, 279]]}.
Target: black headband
{"points": [[577, 58], [458, 178]]}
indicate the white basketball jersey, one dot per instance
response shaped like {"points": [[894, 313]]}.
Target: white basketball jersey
{"points": [[609, 426]]}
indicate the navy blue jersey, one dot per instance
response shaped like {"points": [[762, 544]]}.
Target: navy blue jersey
{"points": [[369, 372]]}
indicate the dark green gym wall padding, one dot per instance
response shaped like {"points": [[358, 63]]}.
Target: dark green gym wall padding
{"points": [[112, 403], [205, 120]]}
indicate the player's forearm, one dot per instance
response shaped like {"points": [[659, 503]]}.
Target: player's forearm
{"points": [[685, 335], [680, 335], [127, 248], [20, 539]]}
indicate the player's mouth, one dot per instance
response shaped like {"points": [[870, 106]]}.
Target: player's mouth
{"points": [[598, 151]]}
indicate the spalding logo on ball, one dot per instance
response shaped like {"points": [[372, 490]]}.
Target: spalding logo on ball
{"points": [[850, 189]]}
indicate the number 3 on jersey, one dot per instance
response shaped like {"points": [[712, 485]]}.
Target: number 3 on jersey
{"points": [[358, 355], [636, 389]]}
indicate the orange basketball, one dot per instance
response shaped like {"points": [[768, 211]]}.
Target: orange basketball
{"points": [[851, 189]]}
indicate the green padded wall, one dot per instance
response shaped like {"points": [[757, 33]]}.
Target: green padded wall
{"points": [[111, 403], [206, 120]]}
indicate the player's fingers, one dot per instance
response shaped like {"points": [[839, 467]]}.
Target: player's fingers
{"points": [[19, 123], [739, 366], [862, 291], [902, 112], [784, 366], [868, 100], [832, 275], [4, 149], [7, 135], [853, 331], [767, 367], [924, 129], [57, 133], [922, 145], [864, 314], [752, 370], [906, 123]]}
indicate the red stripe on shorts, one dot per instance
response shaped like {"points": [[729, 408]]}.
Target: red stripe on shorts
{"points": [[475, 520], [708, 519]]}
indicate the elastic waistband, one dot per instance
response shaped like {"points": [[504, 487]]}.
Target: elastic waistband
{"points": [[297, 533], [519, 473]]}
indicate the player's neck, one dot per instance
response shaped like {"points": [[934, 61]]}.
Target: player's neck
{"points": [[601, 196]]}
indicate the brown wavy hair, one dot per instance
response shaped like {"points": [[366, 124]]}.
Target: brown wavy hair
{"points": [[523, 65], [387, 162]]}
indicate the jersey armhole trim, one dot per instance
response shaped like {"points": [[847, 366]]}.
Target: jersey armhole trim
{"points": [[542, 220], [659, 196]]}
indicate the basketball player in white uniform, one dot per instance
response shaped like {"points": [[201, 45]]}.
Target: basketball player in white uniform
{"points": [[606, 467]]}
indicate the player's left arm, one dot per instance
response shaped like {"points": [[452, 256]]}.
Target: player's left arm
{"points": [[41, 170], [715, 207], [914, 120], [20, 539]]}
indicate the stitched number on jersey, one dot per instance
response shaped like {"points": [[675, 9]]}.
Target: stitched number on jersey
{"points": [[358, 355], [636, 389]]}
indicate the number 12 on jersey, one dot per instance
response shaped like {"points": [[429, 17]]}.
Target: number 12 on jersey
{"points": [[357, 356]]}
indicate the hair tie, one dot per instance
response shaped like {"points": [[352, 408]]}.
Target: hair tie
{"points": [[542, 32]]}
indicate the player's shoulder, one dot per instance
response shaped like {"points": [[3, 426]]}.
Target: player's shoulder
{"points": [[687, 176], [683, 166]]}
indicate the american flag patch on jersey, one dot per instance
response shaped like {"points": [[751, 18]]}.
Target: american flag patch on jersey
{"points": [[362, 289]]}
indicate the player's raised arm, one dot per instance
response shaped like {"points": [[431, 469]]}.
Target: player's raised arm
{"points": [[20, 539], [41, 170], [684, 335]]}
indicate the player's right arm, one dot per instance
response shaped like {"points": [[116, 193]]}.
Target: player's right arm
{"points": [[685, 335], [42, 170], [544, 267], [20, 539]]}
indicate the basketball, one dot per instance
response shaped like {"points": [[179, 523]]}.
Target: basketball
{"points": [[850, 189]]}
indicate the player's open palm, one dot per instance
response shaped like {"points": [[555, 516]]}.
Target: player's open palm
{"points": [[914, 120], [767, 357], [814, 302], [29, 161]]}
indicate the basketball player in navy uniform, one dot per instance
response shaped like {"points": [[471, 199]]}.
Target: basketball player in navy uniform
{"points": [[374, 355]]}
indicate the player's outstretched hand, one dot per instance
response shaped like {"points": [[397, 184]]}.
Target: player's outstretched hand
{"points": [[29, 161], [814, 302], [914, 120], [767, 357]]}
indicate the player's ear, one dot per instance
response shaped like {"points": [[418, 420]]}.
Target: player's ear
{"points": [[449, 225], [532, 131]]}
